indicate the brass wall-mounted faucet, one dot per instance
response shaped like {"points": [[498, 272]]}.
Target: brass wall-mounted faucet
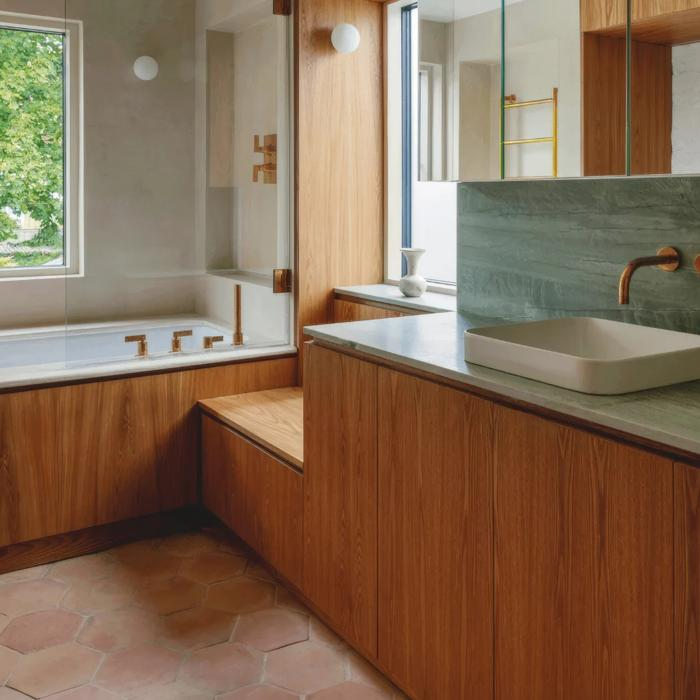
{"points": [[176, 343], [209, 341], [666, 259], [142, 350]]}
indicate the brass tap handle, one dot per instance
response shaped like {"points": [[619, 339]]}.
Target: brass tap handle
{"points": [[209, 341], [176, 344], [142, 350]]}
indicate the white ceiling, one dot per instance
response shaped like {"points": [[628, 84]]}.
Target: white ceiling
{"points": [[452, 10]]}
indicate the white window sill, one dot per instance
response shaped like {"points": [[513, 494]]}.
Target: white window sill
{"points": [[431, 302]]}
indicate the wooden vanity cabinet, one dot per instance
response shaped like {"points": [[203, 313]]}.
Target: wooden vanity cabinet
{"points": [[435, 538], [340, 493], [583, 565], [258, 496], [518, 557]]}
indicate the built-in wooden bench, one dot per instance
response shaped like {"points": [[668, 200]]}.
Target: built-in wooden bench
{"points": [[273, 419], [252, 462]]}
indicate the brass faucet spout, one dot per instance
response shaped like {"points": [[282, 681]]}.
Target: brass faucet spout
{"points": [[667, 259]]}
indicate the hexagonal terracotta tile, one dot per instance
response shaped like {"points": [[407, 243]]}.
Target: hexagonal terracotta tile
{"points": [[9, 694], [40, 630], [119, 629], [8, 662], [174, 691], [212, 567], [85, 692], [272, 629], [240, 595], [349, 691], [256, 569], [91, 597], [166, 597], [363, 672], [28, 596], [288, 600], [260, 692], [318, 632], [25, 574], [222, 667], [132, 670], [88, 568], [142, 560], [53, 670], [196, 628], [4, 621], [189, 544], [305, 668]]}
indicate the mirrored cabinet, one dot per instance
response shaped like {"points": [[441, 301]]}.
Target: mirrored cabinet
{"points": [[507, 89]]}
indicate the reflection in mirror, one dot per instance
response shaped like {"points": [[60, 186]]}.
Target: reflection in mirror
{"points": [[665, 68], [553, 106]]}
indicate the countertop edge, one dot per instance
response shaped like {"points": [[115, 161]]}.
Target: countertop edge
{"points": [[621, 425]]}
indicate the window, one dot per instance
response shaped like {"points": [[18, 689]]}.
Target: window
{"points": [[416, 117], [40, 146]]}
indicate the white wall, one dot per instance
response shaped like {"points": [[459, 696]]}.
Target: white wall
{"points": [[139, 169], [686, 103]]}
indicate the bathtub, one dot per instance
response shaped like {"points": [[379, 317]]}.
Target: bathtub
{"points": [[81, 351]]}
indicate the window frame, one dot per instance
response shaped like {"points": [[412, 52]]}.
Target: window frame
{"points": [[73, 168]]}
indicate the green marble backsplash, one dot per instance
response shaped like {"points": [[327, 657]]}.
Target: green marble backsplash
{"points": [[542, 249]]}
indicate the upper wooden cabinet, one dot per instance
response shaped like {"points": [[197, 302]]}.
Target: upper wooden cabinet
{"points": [[435, 538], [340, 492]]}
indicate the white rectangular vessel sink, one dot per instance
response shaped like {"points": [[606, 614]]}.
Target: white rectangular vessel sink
{"points": [[590, 355]]}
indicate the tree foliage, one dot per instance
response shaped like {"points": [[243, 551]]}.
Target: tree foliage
{"points": [[31, 132]]}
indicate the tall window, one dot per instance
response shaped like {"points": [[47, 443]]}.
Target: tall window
{"points": [[417, 166], [39, 147]]}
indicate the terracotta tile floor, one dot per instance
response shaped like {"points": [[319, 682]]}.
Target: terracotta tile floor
{"points": [[188, 617]]}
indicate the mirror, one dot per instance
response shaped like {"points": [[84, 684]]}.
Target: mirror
{"points": [[665, 87], [538, 88]]}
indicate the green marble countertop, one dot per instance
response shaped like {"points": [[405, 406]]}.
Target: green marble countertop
{"points": [[434, 343]]}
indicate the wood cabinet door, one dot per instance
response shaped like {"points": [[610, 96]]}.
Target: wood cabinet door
{"points": [[584, 565], [687, 581], [340, 492], [435, 538]]}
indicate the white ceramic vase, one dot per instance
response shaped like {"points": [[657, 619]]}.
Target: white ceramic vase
{"points": [[412, 285]]}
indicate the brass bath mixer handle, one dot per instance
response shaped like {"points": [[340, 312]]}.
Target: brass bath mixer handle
{"points": [[142, 349], [176, 343], [209, 340]]}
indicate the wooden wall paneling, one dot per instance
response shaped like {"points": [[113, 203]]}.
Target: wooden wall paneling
{"points": [[652, 109], [687, 581], [82, 455], [340, 155], [435, 538], [603, 105], [340, 492], [584, 565]]}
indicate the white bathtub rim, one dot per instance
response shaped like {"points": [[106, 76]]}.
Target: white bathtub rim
{"points": [[40, 375]]}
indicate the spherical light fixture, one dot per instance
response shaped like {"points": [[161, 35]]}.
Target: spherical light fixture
{"points": [[145, 68], [345, 38]]}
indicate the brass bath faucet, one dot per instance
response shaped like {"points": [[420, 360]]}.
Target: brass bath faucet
{"points": [[176, 342], [666, 259], [142, 350]]}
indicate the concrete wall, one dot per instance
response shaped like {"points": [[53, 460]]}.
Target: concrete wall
{"points": [[686, 106]]}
